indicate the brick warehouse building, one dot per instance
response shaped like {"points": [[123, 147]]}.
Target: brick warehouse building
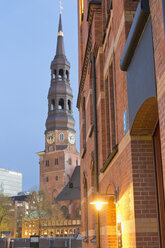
{"points": [[121, 101]]}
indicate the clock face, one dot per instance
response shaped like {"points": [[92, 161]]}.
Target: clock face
{"points": [[50, 138], [71, 138]]}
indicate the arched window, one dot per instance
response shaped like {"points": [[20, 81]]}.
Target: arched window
{"points": [[85, 204], [61, 136], [77, 213], [84, 123], [61, 104], [61, 74], [69, 105], [54, 195], [67, 74], [65, 212], [54, 74], [52, 106]]}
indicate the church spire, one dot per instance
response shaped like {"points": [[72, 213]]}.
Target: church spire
{"points": [[60, 42]]}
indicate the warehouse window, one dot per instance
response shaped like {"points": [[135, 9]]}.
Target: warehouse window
{"points": [[56, 161], [84, 123], [110, 112]]}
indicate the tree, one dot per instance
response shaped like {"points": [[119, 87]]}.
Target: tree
{"points": [[6, 214], [42, 208]]}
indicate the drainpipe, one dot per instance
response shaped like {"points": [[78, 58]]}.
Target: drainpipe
{"points": [[95, 144]]}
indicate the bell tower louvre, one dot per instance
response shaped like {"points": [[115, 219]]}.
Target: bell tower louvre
{"points": [[60, 157]]}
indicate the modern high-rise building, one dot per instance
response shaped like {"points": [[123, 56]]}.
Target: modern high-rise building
{"points": [[10, 182]]}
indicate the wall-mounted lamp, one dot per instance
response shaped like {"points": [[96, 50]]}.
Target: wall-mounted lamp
{"points": [[99, 203]]}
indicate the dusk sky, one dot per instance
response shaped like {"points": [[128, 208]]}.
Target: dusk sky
{"points": [[28, 36]]}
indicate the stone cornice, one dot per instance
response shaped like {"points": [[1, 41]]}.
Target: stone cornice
{"points": [[84, 67], [93, 5]]}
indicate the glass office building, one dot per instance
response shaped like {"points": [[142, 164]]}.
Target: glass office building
{"points": [[10, 182]]}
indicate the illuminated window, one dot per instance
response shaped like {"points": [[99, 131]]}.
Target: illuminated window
{"points": [[65, 233], [57, 233], [81, 10], [82, 6]]}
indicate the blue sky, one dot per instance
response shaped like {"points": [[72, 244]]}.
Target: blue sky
{"points": [[28, 35]]}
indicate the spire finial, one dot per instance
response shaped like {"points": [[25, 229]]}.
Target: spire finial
{"points": [[61, 7]]}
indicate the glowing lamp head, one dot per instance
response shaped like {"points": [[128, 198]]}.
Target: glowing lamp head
{"points": [[99, 204]]}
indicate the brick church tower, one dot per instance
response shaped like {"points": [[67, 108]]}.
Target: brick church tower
{"points": [[60, 157]]}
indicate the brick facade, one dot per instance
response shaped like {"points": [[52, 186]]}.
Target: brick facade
{"points": [[115, 154]]}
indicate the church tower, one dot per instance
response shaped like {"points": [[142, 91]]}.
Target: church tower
{"points": [[60, 157]]}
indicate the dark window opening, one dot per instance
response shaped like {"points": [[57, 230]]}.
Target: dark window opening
{"points": [[47, 179], [52, 106], [47, 163], [112, 107], [61, 74], [76, 161], [110, 112], [109, 6], [65, 212], [70, 161], [56, 178], [54, 74], [61, 104], [61, 234], [69, 105], [56, 161], [107, 117], [84, 124], [67, 75], [77, 213]]}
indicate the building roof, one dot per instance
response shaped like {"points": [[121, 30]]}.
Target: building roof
{"points": [[72, 190], [20, 198]]}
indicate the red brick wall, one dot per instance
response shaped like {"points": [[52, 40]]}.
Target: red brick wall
{"points": [[145, 195], [159, 56], [132, 168]]}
